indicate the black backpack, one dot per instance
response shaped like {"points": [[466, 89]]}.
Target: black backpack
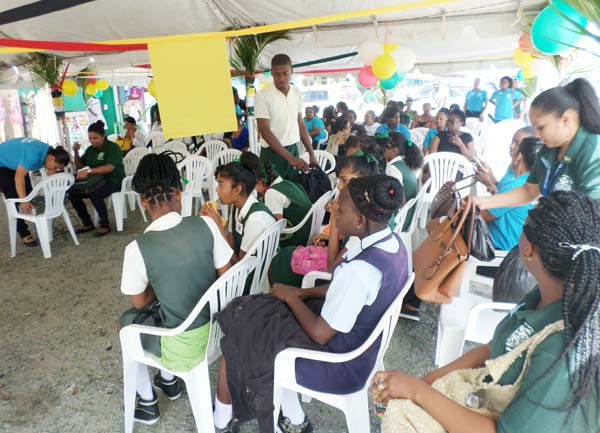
{"points": [[315, 182]]}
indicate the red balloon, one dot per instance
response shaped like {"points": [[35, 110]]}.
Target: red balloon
{"points": [[526, 44], [366, 77]]}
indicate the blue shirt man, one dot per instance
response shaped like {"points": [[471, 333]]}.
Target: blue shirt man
{"points": [[476, 100]]}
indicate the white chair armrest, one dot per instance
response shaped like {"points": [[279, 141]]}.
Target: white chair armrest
{"points": [[126, 183], [29, 197], [309, 279], [298, 226]]}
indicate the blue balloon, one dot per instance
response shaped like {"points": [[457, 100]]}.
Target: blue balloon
{"points": [[557, 28], [267, 74], [98, 93], [520, 76], [390, 83]]}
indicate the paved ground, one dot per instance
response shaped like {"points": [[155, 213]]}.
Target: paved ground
{"points": [[60, 364]]}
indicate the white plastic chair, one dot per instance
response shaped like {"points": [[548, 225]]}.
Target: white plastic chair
{"points": [[228, 286], [113, 137], [356, 405], [325, 160], [225, 157], [483, 320], [54, 188], [443, 166], [474, 125], [137, 152], [175, 146], [407, 235], [264, 249], [212, 149], [323, 140], [417, 135], [400, 217], [317, 212], [453, 317], [198, 172], [494, 144]]}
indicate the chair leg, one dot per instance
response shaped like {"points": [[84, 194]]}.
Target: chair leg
{"points": [[131, 200], [357, 413], [198, 389], [42, 231], [67, 219], [12, 233], [186, 205], [276, 402], [139, 202], [50, 230], [118, 201], [129, 378]]}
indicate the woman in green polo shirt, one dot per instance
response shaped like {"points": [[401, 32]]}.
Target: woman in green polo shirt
{"points": [[567, 120], [105, 158], [560, 247]]}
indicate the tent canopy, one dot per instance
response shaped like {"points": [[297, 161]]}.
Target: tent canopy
{"points": [[446, 36]]}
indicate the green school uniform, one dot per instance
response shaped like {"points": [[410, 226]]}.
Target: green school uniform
{"points": [[280, 166], [578, 169], [300, 205], [545, 388], [410, 186], [108, 153]]}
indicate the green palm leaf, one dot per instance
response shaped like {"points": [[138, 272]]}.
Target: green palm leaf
{"points": [[45, 69]]}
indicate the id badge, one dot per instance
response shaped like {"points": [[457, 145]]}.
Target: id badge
{"points": [[239, 227]]}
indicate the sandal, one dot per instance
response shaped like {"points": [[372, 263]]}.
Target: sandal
{"points": [[84, 229], [30, 241], [103, 231]]}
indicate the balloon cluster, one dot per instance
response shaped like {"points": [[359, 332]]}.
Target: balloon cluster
{"points": [[384, 63], [96, 87]]}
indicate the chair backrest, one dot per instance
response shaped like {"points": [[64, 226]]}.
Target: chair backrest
{"points": [[225, 157], [418, 203], [264, 249], [113, 137], [494, 144], [417, 135], [55, 187], [474, 125], [400, 217], [325, 160], [197, 170], [444, 166], [131, 162], [481, 326], [138, 152], [175, 146], [212, 149], [318, 215]]}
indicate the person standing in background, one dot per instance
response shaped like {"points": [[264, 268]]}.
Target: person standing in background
{"points": [[475, 101]]}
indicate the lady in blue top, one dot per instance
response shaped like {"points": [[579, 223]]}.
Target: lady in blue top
{"points": [[18, 157], [505, 99], [391, 123]]}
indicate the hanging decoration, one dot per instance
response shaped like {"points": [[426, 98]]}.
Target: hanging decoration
{"points": [[102, 84], [69, 87], [385, 63], [557, 28], [152, 88], [366, 77]]}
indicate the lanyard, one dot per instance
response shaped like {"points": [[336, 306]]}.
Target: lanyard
{"points": [[549, 178]]}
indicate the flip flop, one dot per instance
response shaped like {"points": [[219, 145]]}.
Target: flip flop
{"points": [[99, 234], [84, 229], [31, 243]]}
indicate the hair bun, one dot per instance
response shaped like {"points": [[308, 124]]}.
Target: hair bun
{"points": [[100, 123]]}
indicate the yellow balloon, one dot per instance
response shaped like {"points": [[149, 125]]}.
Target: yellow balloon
{"points": [[102, 84], [263, 85], [522, 59], [91, 89], [384, 66], [389, 48], [528, 72], [151, 88], [69, 87]]}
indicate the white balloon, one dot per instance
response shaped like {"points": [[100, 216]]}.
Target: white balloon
{"points": [[546, 73], [368, 51], [405, 58]]}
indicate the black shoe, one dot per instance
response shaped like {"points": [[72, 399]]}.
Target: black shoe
{"points": [[146, 411], [284, 425], [170, 389], [101, 233], [409, 314], [231, 427]]}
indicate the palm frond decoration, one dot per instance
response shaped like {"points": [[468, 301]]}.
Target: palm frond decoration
{"points": [[45, 69], [588, 8], [246, 51]]}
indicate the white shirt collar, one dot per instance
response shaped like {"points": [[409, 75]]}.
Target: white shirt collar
{"points": [[165, 222], [366, 243], [246, 208], [276, 181], [396, 159]]}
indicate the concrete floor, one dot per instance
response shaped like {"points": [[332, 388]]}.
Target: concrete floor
{"points": [[60, 361]]}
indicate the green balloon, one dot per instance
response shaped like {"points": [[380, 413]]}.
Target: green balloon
{"points": [[557, 28], [390, 83]]}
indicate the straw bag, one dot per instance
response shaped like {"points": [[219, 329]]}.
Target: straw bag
{"points": [[468, 387], [440, 260]]}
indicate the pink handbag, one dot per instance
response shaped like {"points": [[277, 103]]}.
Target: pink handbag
{"points": [[307, 259]]}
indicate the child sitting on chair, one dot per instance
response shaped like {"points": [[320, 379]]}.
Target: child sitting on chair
{"points": [[166, 271]]}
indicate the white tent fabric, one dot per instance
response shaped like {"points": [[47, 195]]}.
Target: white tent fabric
{"points": [[461, 35]]}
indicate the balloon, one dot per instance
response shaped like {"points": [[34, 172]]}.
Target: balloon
{"points": [[91, 80], [267, 74], [554, 29], [151, 88], [520, 75], [384, 66], [102, 84], [391, 82], [98, 93], [405, 59], [366, 77], [526, 44], [389, 48], [401, 75], [522, 59], [69, 87], [528, 73], [91, 89], [368, 51]]}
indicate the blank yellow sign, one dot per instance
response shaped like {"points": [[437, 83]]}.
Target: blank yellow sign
{"points": [[193, 86]]}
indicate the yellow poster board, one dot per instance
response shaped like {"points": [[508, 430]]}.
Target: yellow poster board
{"points": [[193, 86]]}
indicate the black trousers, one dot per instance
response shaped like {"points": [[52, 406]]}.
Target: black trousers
{"points": [[9, 189], [97, 199], [470, 113]]}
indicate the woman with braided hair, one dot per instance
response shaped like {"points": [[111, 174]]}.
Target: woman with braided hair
{"points": [[362, 288], [558, 392], [166, 271]]}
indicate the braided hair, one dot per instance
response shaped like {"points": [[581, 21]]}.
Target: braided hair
{"points": [[558, 226], [245, 171], [376, 197], [411, 152], [156, 178], [269, 175]]}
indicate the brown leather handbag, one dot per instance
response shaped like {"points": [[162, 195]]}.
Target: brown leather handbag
{"points": [[440, 260]]}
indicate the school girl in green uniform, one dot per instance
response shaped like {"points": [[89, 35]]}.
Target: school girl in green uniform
{"points": [[567, 120], [560, 247], [166, 271]]}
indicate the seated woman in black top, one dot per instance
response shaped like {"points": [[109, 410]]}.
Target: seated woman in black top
{"points": [[454, 140]]}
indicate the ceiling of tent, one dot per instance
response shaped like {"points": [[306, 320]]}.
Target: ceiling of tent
{"points": [[467, 34]]}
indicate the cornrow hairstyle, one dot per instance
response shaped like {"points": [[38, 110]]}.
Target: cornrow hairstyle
{"points": [[411, 153], [376, 197], [529, 148], [156, 178], [578, 95], [245, 172], [269, 175], [281, 60], [557, 226], [97, 127], [61, 156]]}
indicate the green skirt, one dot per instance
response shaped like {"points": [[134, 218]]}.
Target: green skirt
{"points": [[281, 268]]}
